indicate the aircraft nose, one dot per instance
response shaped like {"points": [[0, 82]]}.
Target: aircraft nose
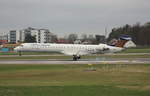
{"points": [[16, 49]]}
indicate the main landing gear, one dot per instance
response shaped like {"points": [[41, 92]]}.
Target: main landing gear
{"points": [[20, 53], [75, 57]]}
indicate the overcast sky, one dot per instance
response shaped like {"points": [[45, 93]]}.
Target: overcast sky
{"points": [[63, 17]]}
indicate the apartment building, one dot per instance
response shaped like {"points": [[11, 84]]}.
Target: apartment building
{"points": [[42, 35], [14, 36]]}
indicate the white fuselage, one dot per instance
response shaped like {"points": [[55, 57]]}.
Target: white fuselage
{"points": [[68, 49]]}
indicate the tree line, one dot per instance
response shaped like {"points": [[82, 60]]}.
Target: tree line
{"points": [[140, 33], [71, 38]]}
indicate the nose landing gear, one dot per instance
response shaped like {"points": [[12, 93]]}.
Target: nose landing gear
{"points": [[75, 57], [20, 54]]}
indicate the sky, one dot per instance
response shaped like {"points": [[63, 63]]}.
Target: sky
{"points": [[63, 17]]}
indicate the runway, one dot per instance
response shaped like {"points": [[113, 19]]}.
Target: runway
{"points": [[63, 55], [82, 61]]}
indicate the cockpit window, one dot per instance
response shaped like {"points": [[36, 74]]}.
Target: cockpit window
{"points": [[21, 45]]}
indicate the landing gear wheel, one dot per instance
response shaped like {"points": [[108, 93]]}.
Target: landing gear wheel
{"points": [[20, 54], [75, 57]]}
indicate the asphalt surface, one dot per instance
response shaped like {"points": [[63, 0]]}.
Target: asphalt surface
{"points": [[63, 55], [82, 61]]}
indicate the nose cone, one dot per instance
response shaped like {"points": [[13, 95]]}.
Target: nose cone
{"points": [[17, 49]]}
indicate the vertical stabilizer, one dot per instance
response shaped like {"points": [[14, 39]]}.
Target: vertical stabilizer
{"points": [[125, 41]]}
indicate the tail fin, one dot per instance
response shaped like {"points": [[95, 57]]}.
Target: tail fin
{"points": [[121, 43], [129, 44], [125, 41]]}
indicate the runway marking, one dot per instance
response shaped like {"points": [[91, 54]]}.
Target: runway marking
{"points": [[73, 62]]}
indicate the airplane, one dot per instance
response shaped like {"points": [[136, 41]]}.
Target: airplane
{"points": [[76, 50]]}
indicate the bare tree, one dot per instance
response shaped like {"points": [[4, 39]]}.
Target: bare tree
{"points": [[139, 33], [72, 38], [84, 37]]}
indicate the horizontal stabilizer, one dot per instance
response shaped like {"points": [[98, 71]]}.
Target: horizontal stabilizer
{"points": [[129, 44]]}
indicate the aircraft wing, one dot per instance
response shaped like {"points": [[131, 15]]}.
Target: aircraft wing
{"points": [[72, 52]]}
